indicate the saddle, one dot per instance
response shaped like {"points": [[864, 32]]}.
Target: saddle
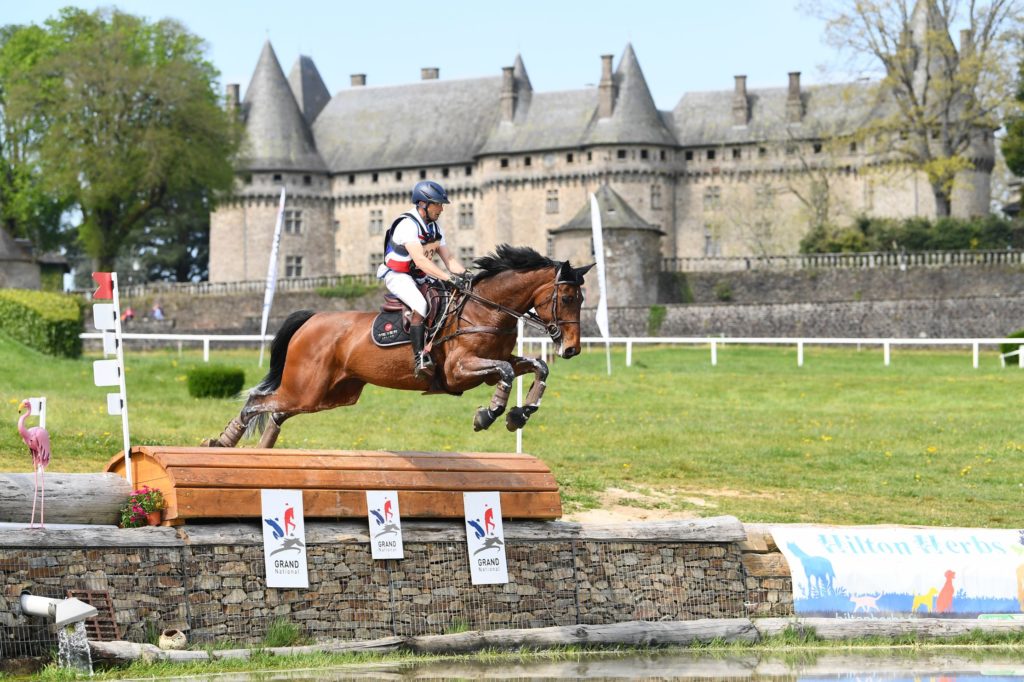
{"points": [[391, 326]]}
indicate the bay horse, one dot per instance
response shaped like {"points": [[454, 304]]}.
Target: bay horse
{"points": [[319, 361]]}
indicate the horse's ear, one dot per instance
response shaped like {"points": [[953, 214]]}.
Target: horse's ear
{"points": [[582, 271]]}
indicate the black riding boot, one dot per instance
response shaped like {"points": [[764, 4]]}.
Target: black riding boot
{"points": [[423, 364]]}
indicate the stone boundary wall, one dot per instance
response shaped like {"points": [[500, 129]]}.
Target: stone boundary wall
{"points": [[208, 580]]}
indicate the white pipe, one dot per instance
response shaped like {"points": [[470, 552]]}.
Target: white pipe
{"points": [[62, 611]]}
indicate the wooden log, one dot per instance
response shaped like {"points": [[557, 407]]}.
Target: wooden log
{"points": [[99, 536], [856, 628], [632, 633], [70, 498]]}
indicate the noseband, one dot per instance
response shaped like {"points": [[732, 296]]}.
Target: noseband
{"points": [[554, 328]]}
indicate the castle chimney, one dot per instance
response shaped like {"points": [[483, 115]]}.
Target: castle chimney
{"points": [[508, 93], [606, 89], [740, 106], [966, 42], [430, 73], [794, 104], [231, 98], [358, 79]]}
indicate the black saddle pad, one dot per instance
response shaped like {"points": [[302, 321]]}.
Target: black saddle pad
{"points": [[388, 330]]}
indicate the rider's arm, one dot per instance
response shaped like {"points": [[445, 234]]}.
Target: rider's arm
{"points": [[419, 257], [450, 262]]}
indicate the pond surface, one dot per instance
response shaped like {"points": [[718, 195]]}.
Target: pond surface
{"points": [[887, 664]]}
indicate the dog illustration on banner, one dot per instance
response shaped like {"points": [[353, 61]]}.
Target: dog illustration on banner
{"points": [[818, 571], [865, 602]]}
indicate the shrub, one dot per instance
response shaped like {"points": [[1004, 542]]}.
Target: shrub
{"points": [[48, 322], [347, 289], [655, 318], [723, 290], [215, 381], [1005, 348]]}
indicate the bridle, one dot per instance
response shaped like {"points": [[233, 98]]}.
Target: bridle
{"points": [[553, 328]]}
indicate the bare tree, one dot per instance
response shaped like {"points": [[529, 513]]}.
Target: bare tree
{"points": [[938, 104]]}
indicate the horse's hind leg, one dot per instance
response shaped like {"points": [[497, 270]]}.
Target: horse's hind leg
{"points": [[273, 430], [517, 416], [238, 426]]}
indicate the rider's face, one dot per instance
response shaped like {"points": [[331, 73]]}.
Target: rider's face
{"points": [[434, 211]]}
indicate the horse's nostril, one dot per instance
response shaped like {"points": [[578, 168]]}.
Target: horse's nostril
{"points": [[571, 352]]}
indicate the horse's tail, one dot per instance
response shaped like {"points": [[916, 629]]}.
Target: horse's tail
{"points": [[279, 351]]}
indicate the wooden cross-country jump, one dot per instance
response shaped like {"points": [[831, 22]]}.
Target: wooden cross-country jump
{"points": [[221, 483]]}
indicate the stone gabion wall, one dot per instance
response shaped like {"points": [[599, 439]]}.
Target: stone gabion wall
{"points": [[214, 589]]}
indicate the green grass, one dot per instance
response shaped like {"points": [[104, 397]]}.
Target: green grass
{"points": [[928, 440]]}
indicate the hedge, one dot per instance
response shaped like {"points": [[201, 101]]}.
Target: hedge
{"points": [[48, 322], [215, 381]]}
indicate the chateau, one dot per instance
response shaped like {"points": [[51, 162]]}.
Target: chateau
{"points": [[734, 172]]}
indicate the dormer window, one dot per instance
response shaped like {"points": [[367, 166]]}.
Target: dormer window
{"points": [[711, 155], [277, 177]]}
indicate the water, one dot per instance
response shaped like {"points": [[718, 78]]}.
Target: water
{"points": [[801, 666], [73, 648]]}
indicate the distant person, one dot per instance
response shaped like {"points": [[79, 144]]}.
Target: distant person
{"points": [[157, 312], [128, 315]]}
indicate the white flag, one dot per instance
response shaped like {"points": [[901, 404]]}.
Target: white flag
{"points": [[602, 301], [268, 293]]}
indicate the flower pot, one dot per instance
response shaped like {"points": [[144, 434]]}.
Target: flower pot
{"points": [[154, 517]]}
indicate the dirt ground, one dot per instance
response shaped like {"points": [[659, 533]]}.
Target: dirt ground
{"points": [[619, 506]]}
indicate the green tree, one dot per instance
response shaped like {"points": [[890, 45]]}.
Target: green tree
{"points": [[174, 244], [27, 208], [1013, 143], [133, 122], [937, 104]]}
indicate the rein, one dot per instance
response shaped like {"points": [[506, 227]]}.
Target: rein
{"points": [[554, 329]]}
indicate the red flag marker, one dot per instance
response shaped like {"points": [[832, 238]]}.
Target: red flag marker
{"points": [[106, 288]]}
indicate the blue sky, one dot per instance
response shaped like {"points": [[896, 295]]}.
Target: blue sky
{"points": [[682, 45]]}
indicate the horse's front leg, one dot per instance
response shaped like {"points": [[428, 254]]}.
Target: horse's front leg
{"points": [[480, 368], [517, 416]]}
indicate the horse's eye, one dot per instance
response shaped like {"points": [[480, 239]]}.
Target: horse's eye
{"points": [[568, 299]]}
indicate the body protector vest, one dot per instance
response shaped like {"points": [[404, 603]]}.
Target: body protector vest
{"points": [[396, 256]]}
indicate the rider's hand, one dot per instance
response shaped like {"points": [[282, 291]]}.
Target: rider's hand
{"points": [[460, 280]]}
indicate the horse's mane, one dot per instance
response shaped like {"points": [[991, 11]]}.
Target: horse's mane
{"points": [[507, 257]]}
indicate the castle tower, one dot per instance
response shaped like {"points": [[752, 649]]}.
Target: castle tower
{"points": [[632, 249], [278, 151], [308, 88]]}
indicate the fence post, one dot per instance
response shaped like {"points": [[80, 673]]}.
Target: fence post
{"points": [[799, 353], [714, 353], [974, 350], [206, 349], [629, 353], [885, 346], [1020, 356]]}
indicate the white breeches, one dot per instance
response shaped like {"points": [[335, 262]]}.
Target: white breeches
{"points": [[404, 287]]}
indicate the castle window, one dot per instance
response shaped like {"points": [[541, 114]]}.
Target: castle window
{"points": [[247, 178], [712, 198], [662, 154], [711, 155], [293, 266], [466, 254], [337, 225], [465, 216], [277, 177], [817, 147], [590, 156], [351, 179], [307, 180], [712, 247], [469, 171], [689, 155], [551, 206], [375, 177], [656, 197], [293, 222], [853, 147], [790, 149], [737, 153], [423, 174], [621, 154], [398, 176], [569, 157], [444, 172], [528, 161], [504, 163], [762, 152], [375, 260], [376, 221], [643, 153]]}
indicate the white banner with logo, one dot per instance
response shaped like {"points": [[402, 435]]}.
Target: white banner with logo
{"points": [[866, 571], [485, 538], [284, 538], [385, 524]]}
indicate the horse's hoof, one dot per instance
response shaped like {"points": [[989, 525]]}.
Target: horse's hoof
{"points": [[210, 443], [516, 419], [482, 420]]}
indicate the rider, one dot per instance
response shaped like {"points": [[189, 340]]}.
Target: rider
{"points": [[409, 248]]}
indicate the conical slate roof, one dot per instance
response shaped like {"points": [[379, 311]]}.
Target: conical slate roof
{"points": [[615, 214], [308, 88], [277, 135], [635, 119]]}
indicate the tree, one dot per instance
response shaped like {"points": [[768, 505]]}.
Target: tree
{"points": [[937, 104], [1013, 143], [174, 243], [27, 209], [133, 122]]}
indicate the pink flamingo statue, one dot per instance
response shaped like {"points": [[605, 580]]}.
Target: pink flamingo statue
{"points": [[38, 442]]}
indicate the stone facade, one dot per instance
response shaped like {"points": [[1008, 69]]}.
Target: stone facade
{"points": [[208, 582], [726, 173]]}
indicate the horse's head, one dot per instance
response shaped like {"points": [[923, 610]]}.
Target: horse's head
{"points": [[558, 306]]}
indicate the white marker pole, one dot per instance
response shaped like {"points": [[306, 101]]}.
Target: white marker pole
{"points": [[519, 387], [121, 384]]}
